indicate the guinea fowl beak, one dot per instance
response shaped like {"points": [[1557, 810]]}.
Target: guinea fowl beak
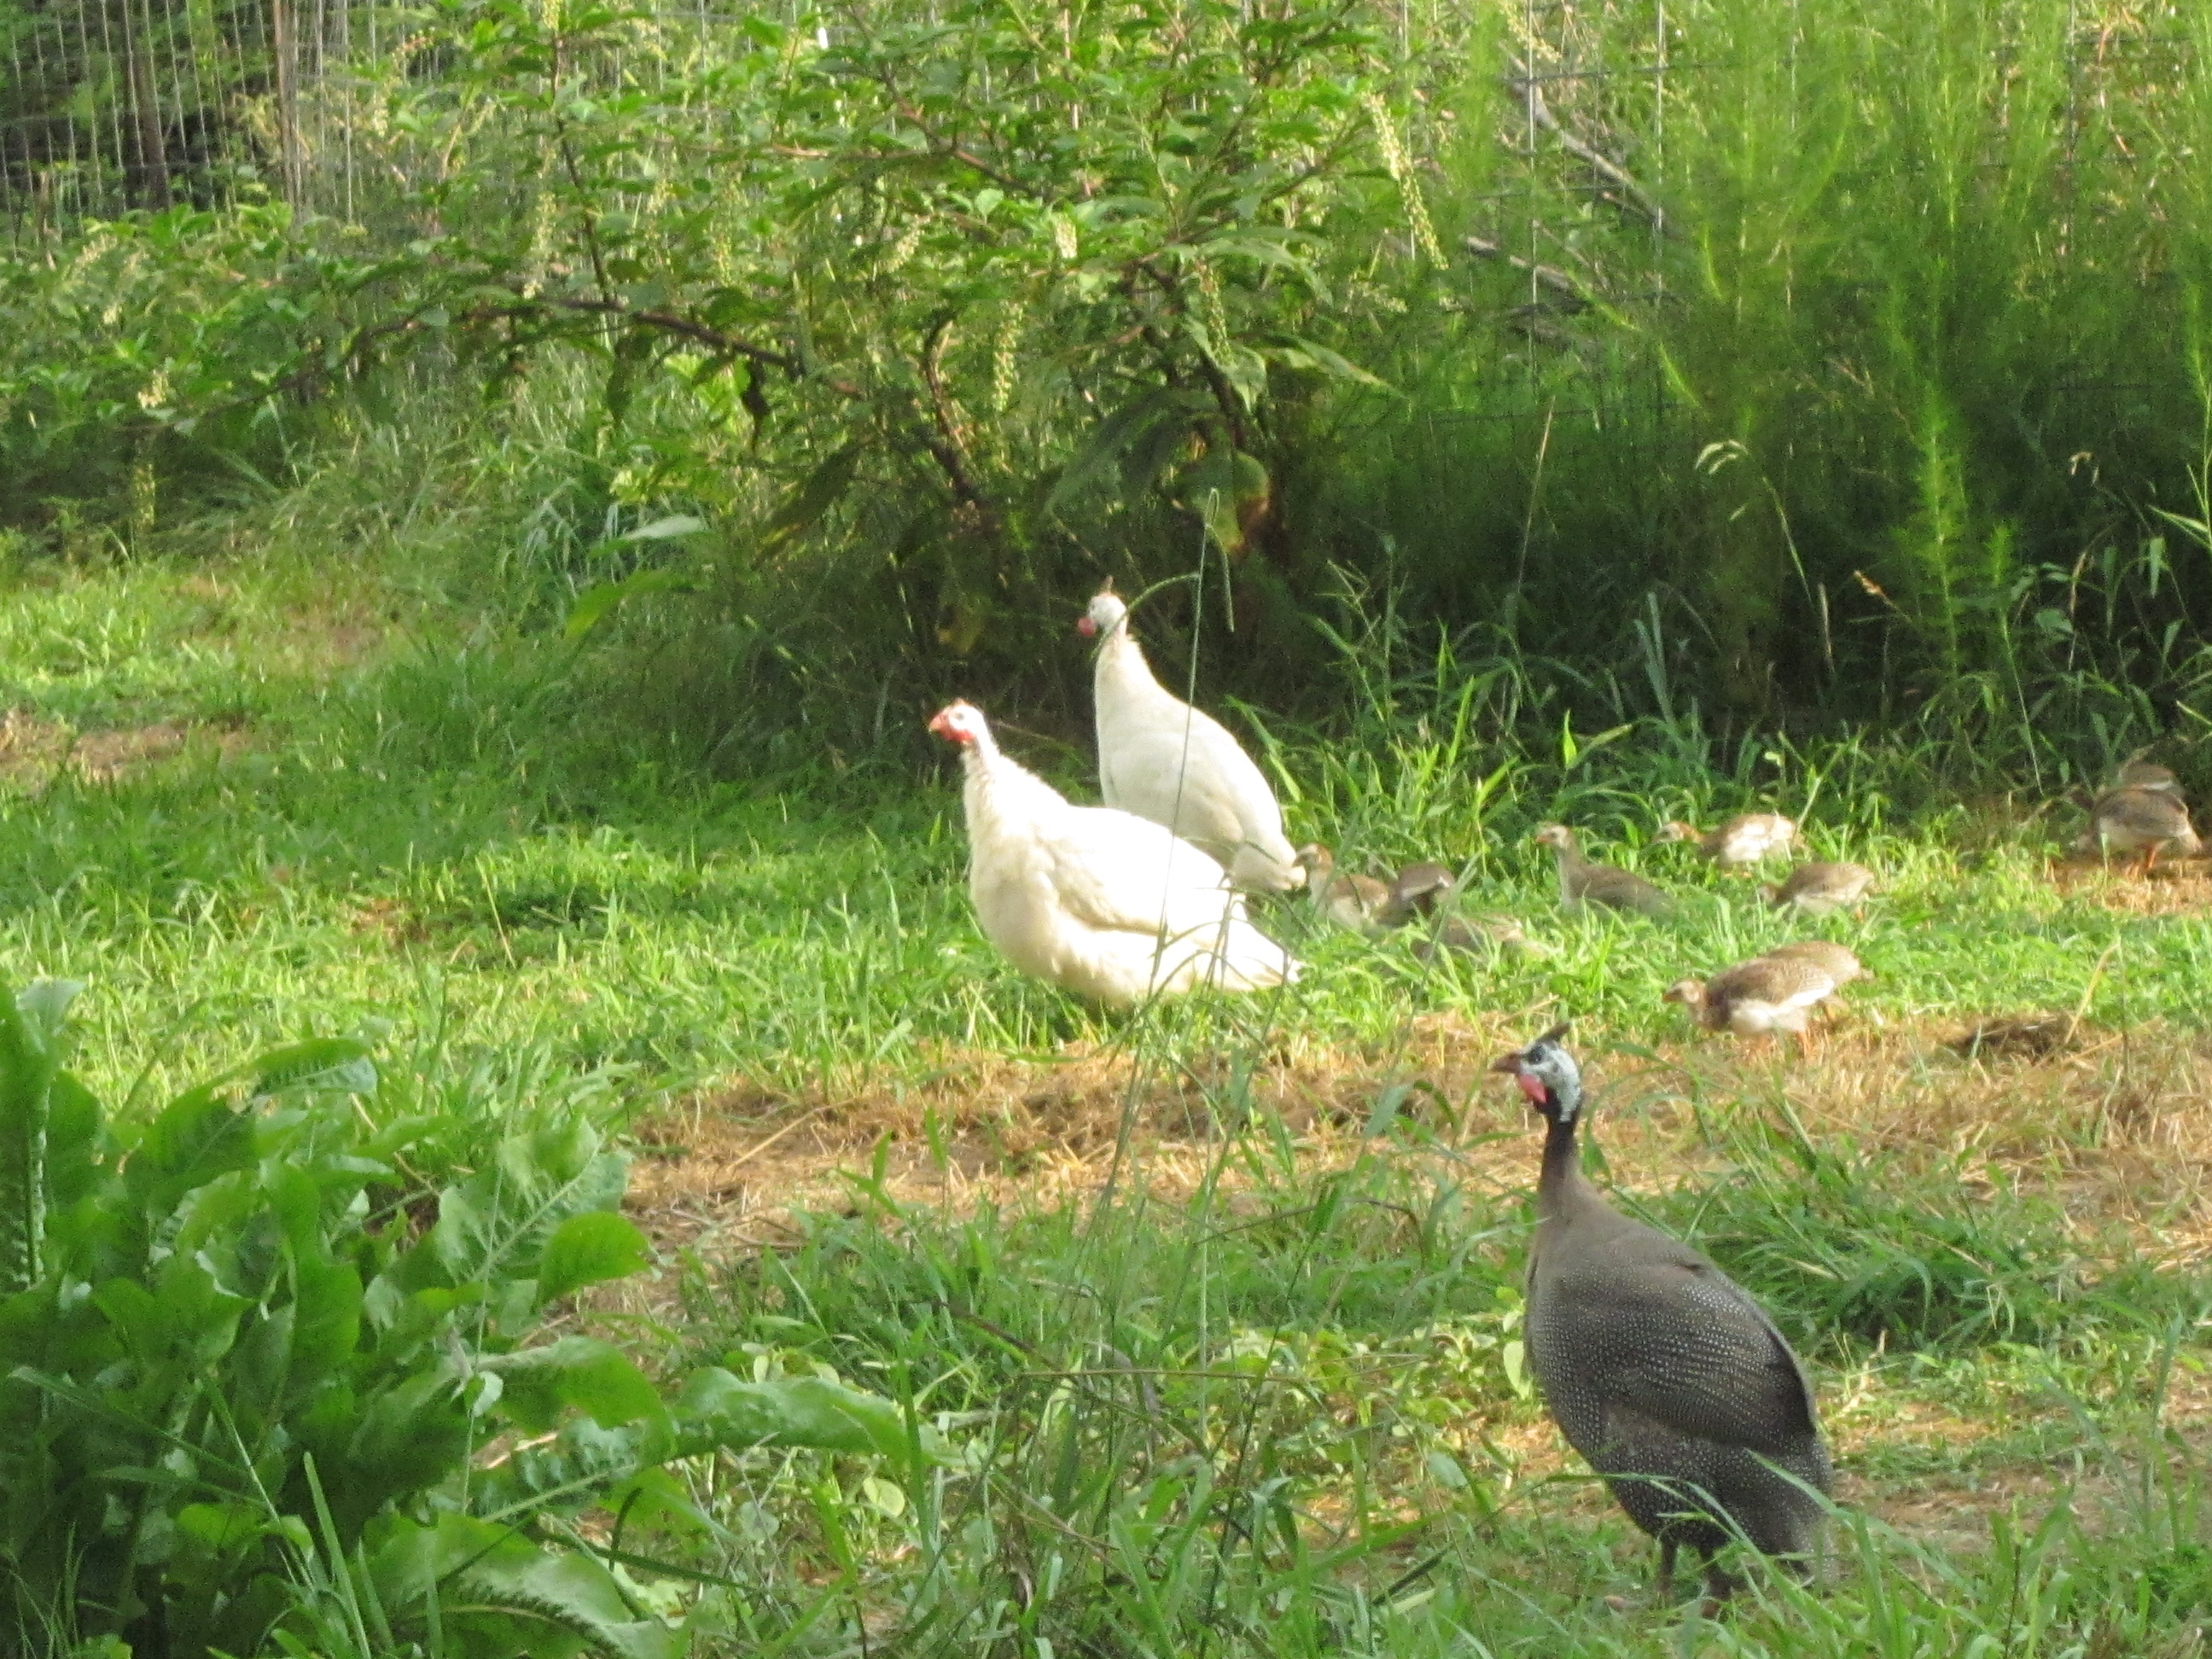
{"points": [[1515, 1066]]}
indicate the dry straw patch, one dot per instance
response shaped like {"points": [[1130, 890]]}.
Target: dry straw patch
{"points": [[2174, 888], [2114, 1124], [34, 750], [980, 1128]]}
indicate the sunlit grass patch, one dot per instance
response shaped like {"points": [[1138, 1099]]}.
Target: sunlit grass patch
{"points": [[1218, 1296]]}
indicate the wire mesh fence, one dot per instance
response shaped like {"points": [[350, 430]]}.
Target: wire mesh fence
{"points": [[120, 104], [111, 106], [116, 104]]}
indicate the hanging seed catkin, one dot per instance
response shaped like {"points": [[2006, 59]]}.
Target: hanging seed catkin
{"points": [[1005, 355], [1211, 312], [904, 249], [1400, 166]]}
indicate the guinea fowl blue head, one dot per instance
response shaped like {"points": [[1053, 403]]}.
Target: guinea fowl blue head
{"points": [[1547, 1074]]}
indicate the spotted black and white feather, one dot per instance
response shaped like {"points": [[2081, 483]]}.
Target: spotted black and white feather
{"points": [[1660, 1370]]}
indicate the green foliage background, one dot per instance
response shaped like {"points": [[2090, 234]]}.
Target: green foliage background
{"points": [[1800, 363], [1574, 411]]}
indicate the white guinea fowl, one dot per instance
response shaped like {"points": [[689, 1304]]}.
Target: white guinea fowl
{"points": [[1163, 760], [1094, 900]]}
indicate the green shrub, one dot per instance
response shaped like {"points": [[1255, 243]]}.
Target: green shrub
{"points": [[259, 1386], [1853, 366]]}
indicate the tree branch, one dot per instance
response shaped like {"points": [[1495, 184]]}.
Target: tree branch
{"points": [[575, 177], [1224, 395], [668, 322], [1550, 276], [1599, 162], [945, 443]]}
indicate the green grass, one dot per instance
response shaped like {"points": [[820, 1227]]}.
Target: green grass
{"points": [[1280, 1414], [439, 830]]}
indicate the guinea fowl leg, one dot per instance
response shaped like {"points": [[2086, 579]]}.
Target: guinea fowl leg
{"points": [[1666, 1571], [1719, 1587]]}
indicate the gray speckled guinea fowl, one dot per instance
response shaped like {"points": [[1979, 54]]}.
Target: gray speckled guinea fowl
{"points": [[1671, 1380]]}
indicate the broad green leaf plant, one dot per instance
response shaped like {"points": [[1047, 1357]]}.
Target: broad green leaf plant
{"points": [[259, 1392]]}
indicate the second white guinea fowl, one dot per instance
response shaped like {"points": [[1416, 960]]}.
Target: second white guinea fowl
{"points": [[1178, 766], [1094, 900]]}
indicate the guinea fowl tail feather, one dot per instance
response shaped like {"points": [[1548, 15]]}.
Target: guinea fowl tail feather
{"points": [[1231, 955]]}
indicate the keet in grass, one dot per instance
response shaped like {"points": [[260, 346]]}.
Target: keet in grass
{"points": [[1163, 760], [1351, 901], [1420, 890], [1770, 995], [1478, 933], [1839, 962], [2037, 1035], [2139, 773], [1095, 900], [1424, 896], [1658, 1369], [1742, 840], [2146, 819], [1584, 883], [1816, 889]]}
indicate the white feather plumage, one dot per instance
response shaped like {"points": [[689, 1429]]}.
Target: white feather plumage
{"points": [[1098, 900], [1162, 760]]}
